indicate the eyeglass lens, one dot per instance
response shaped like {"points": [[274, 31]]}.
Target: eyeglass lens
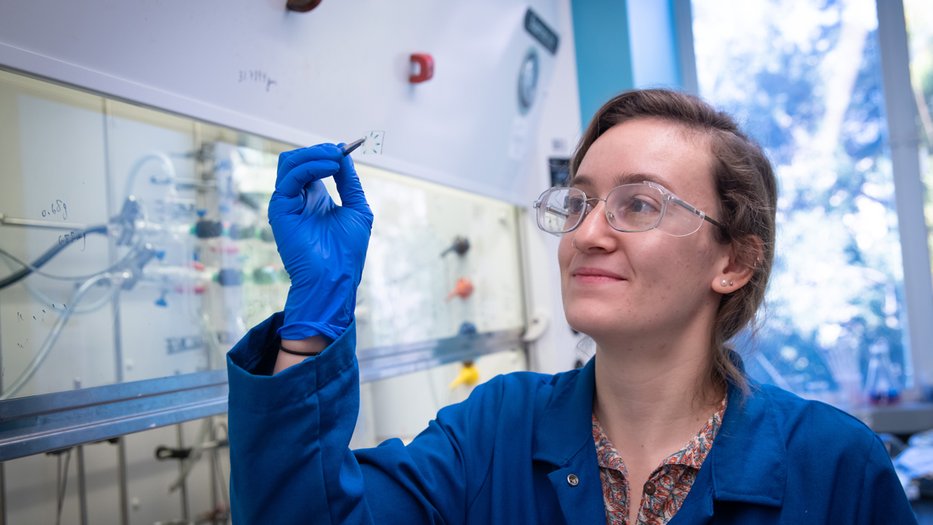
{"points": [[629, 208]]}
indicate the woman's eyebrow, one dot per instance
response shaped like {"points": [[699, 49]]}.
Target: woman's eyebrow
{"points": [[581, 180], [619, 179], [636, 177]]}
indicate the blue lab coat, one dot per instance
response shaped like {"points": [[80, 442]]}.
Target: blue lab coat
{"points": [[520, 451]]}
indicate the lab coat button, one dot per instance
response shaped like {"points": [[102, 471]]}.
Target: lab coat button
{"points": [[649, 488], [573, 480]]}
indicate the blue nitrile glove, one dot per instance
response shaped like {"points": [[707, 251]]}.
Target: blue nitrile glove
{"points": [[322, 245]]}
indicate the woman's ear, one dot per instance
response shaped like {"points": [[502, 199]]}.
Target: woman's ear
{"points": [[744, 257]]}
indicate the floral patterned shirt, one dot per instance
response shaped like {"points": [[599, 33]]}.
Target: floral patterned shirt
{"points": [[667, 486]]}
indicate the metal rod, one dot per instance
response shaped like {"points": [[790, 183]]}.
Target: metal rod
{"points": [[183, 489], [2, 495], [212, 463], [121, 477], [82, 486], [39, 223]]}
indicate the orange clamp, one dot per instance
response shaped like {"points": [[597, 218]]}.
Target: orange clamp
{"points": [[463, 289]]}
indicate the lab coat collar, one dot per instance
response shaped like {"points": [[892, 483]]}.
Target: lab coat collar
{"points": [[748, 460], [565, 427], [563, 439], [746, 464]]}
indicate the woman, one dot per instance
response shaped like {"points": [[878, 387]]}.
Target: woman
{"points": [[667, 242]]}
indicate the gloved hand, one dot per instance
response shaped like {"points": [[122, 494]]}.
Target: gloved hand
{"points": [[323, 245]]}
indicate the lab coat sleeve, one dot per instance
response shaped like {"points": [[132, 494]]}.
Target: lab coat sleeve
{"points": [[882, 500], [289, 433], [436, 477], [289, 438]]}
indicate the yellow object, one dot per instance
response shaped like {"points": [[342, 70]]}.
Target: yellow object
{"points": [[468, 376]]}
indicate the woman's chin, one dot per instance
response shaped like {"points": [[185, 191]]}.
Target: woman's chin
{"points": [[593, 324]]}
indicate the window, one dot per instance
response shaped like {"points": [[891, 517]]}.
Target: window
{"points": [[805, 80]]}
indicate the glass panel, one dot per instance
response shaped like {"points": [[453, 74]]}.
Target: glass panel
{"points": [[117, 260], [182, 264], [804, 79], [919, 15], [153, 253]]}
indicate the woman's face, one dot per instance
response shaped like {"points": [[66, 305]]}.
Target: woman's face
{"points": [[645, 286]]}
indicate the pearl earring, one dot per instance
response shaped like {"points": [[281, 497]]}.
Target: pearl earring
{"points": [[726, 283]]}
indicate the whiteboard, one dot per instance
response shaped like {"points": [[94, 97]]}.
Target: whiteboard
{"points": [[335, 73]]}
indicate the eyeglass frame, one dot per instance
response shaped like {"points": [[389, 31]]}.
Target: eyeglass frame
{"points": [[669, 197]]}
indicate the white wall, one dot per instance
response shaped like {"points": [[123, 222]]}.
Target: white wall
{"points": [[334, 73]]}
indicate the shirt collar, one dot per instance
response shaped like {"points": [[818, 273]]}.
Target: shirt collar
{"points": [[691, 455]]}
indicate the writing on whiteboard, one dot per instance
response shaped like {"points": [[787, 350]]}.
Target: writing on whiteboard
{"points": [[58, 208], [73, 236], [256, 76]]}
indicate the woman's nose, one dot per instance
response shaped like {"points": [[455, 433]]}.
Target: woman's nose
{"points": [[594, 232]]}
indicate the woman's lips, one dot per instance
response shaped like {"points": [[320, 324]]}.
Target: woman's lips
{"points": [[595, 275]]}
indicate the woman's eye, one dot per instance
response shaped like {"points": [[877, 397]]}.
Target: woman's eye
{"points": [[575, 204], [639, 205]]}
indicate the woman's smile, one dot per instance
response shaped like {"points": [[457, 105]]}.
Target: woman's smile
{"points": [[592, 275]]}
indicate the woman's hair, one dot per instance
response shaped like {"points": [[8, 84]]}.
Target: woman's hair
{"points": [[747, 191]]}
